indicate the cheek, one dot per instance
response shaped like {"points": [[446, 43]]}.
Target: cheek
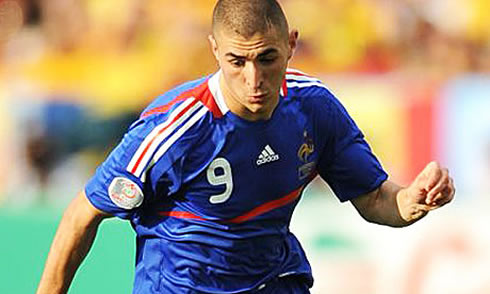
{"points": [[233, 78], [276, 75]]}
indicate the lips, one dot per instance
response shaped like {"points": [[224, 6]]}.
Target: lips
{"points": [[257, 98]]}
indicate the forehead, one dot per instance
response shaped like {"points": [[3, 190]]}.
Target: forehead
{"points": [[231, 42]]}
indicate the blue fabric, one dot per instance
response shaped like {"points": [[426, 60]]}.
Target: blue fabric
{"points": [[292, 284], [186, 243]]}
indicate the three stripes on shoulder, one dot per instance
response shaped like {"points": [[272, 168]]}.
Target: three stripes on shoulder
{"points": [[298, 79]]}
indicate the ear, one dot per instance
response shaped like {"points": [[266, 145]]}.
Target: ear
{"points": [[214, 46], [293, 40]]}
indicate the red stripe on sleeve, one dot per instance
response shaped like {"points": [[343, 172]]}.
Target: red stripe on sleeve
{"points": [[166, 107], [156, 136], [200, 92]]}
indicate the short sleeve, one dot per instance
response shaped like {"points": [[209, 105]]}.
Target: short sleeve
{"points": [[114, 188], [347, 163], [148, 162]]}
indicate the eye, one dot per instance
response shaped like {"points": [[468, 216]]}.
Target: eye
{"points": [[267, 60], [237, 62]]}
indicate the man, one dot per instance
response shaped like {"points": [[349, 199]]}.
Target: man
{"points": [[210, 174]]}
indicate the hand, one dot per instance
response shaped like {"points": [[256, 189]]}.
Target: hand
{"points": [[431, 189]]}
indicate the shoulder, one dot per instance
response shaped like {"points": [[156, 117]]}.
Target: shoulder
{"points": [[193, 99], [310, 91], [169, 100], [172, 124]]}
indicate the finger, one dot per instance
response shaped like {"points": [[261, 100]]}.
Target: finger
{"points": [[450, 192], [434, 174], [427, 208], [421, 181], [451, 187], [446, 195], [441, 199], [439, 186]]}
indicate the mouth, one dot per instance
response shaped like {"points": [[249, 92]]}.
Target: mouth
{"points": [[257, 98]]}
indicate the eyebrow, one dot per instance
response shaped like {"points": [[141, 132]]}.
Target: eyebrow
{"points": [[266, 52]]}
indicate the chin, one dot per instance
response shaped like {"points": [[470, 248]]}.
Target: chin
{"points": [[256, 109]]}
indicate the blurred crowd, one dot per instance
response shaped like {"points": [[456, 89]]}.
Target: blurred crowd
{"points": [[75, 73]]}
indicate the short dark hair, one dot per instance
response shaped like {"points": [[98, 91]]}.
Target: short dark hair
{"points": [[247, 17]]}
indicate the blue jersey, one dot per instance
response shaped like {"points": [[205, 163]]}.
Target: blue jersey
{"points": [[211, 195]]}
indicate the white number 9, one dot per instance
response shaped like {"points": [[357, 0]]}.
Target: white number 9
{"points": [[222, 179]]}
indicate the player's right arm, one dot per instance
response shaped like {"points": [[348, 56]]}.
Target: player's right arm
{"points": [[124, 183], [74, 237]]}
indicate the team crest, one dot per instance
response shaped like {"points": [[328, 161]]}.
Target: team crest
{"points": [[306, 149], [125, 193], [304, 152]]}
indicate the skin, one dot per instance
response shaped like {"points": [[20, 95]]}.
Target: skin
{"points": [[395, 206], [252, 73], [74, 238], [253, 70]]}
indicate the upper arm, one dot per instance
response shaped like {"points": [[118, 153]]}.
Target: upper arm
{"points": [[114, 188], [133, 171], [84, 211], [147, 163], [88, 208], [80, 217], [346, 163]]}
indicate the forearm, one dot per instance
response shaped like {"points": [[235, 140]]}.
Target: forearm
{"points": [[395, 206], [409, 210], [388, 206], [71, 244]]}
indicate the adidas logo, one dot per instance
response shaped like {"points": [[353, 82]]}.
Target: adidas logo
{"points": [[267, 155]]}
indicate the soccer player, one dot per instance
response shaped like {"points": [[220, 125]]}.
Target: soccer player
{"points": [[210, 174]]}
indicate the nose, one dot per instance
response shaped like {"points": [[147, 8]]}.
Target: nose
{"points": [[253, 76]]}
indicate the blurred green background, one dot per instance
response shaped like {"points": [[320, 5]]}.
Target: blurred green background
{"points": [[27, 235]]}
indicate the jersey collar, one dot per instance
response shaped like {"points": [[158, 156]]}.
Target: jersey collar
{"points": [[214, 87]]}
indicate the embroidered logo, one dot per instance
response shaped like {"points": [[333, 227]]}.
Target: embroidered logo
{"points": [[304, 152], [125, 193], [306, 149]]}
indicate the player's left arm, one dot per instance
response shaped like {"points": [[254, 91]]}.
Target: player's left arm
{"points": [[397, 206]]}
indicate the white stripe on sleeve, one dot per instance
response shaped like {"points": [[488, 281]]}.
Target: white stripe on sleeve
{"points": [[161, 151], [301, 78], [307, 84]]}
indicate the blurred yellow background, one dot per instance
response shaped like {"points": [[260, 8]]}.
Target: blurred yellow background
{"points": [[414, 74]]}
